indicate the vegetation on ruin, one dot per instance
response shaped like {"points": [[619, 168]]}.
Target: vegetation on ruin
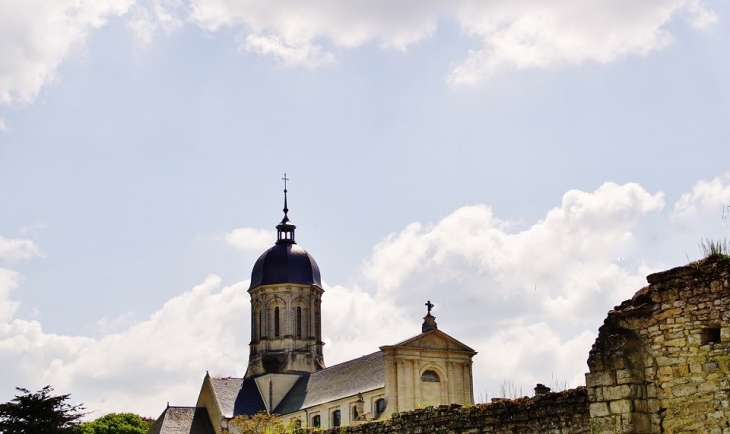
{"points": [[715, 248], [260, 423]]}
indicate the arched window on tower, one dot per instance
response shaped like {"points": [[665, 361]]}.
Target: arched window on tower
{"points": [[336, 419], [276, 322], [260, 323], [256, 324], [317, 326], [299, 322]]}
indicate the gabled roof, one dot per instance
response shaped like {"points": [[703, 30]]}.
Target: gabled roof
{"points": [[339, 381], [183, 420], [237, 396], [433, 340], [225, 391]]}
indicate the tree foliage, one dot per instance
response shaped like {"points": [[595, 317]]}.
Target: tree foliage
{"points": [[39, 413], [260, 423], [116, 423]]}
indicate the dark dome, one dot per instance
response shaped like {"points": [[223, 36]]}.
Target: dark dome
{"points": [[285, 263]]}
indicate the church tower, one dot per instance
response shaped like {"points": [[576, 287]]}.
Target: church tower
{"points": [[286, 295]]}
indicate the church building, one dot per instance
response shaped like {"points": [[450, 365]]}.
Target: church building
{"points": [[287, 374]]}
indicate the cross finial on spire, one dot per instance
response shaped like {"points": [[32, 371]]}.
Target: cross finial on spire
{"points": [[286, 208], [429, 305]]}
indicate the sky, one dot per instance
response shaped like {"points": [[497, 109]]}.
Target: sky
{"points": [[522, 164]]}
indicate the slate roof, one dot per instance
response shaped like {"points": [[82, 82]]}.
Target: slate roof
{"points": [[285, 263], [183, 420], [336, 382], [237, 396]]}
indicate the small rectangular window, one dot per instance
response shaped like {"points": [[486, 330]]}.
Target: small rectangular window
{"points": [[316, 421], [710, 335]]}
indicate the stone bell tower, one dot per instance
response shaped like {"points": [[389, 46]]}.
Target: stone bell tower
{"points": [[286, 295]]}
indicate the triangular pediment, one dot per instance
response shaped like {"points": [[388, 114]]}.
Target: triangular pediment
{"points": [[433, 340]]}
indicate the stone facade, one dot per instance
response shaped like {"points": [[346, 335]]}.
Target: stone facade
{"points": [[286, 335], [365, 404], [428, 370], [661, 362]]}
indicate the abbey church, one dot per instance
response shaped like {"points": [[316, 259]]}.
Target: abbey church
{"points": [[287, 374]]}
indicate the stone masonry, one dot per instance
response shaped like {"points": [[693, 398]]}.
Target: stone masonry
{"points": [[661, 362], [551, 413]]}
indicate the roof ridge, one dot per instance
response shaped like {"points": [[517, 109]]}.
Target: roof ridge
{"points": [[346, 362]]}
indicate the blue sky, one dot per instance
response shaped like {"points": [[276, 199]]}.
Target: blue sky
{"points": [[522, 164]]}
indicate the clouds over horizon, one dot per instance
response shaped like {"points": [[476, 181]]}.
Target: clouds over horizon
{"points": [[37, 36], [535, 294]]}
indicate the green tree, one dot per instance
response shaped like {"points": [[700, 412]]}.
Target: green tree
{"points": [[260, 423], [116, 423], [39, 413]]}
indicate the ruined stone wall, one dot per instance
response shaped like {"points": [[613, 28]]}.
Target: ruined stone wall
{"points": [[661, 362], [554, 413]]}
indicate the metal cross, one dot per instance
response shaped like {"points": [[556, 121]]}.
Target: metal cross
{"points": [[429, 305], [285, 179]]}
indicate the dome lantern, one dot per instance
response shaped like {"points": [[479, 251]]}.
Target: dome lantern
{"points": [[285, 229]]}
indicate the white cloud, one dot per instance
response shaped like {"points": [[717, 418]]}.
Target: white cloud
{"points": [[512, 34], [711, 196], [37, 35], [355, 323], [140, 368], [165, 15], [566, 254], [535, 296], [8, 282], [533, 34], [306, 55], [3, 126], [164, 357], [16, 249], [525, 352], [251, 239]]}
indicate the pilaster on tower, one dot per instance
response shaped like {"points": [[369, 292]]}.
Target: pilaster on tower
{"points": [[286, 294]]}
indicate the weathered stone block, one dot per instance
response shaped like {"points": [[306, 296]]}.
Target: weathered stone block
{"points": [[628, 376], [604, 378], [622, 406], [684, 390], [599, 409], [619, 392]]}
